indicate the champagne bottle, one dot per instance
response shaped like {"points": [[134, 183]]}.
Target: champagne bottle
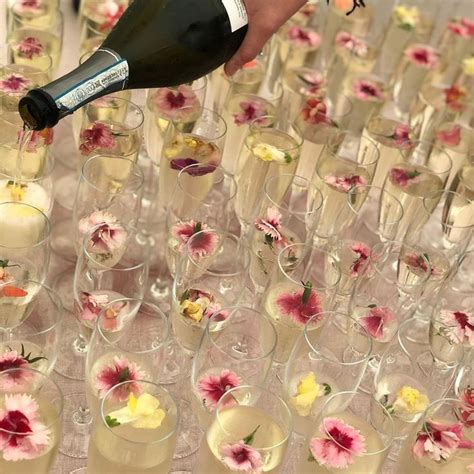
{"points": [[156, 43]]}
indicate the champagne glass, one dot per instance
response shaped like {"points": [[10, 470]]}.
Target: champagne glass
{"points": [[281, 220], [211, 274], [303, 284], [324, 361], [34, 329], [236, 349], [143, 443], [268, 151], [428, 448], [35, 399], [366, 428], [251, 427], [346, 165], [462, 182], [41, 15]]}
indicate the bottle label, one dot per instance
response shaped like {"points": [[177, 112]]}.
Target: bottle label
{"points": [[237, 13], [75, 97]]}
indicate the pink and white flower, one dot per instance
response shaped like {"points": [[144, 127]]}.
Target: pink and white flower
{"points": [[22, 435], [120, 370], [361, 263], [463, 27], [97, 136], [212, 388], [314, 111], [451, 137], [251, 111], [421, 262], [365, 89], [30, 47], [338, 451], [14, 83], [467, 411], [303, 37], [91, 305], [111, 11], [376, 321], [41, 138], [403, 177], [402, 136], [106, 232], [347, 183], [468, 24], [422, 55], [271, 224], [13, 360], [200, 239], [301, 305], [178, 103], [460, 326], [28, 6], [438, 441], [313, 81], [241, 457], [180, 164], [352, 43]]}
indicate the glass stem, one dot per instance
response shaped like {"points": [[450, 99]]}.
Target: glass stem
{"points": [[80, 344], [82, 416]]}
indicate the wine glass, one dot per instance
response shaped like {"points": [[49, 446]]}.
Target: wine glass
{"points": [[36, 400], [303, 284], [236, 349], [42, 16], [145, 441], [286, 215], [366, 428], [324, 360], [251, 421]]}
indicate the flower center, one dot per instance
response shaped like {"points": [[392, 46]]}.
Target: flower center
{"points": [[342, 439], [422, 56], [12, 364], [16, 422], [175, 100], [462, 320]]}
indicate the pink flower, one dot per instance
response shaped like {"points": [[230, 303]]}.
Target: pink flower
{"points": [[421, 262], [314, 111], [14, 83], [438, 441], [346, 183], [365, 89], [463, 28], [30, 47], [454, 96], [251, 111], [241, 457], [270, 225], [363, 252], [303, 37], [351, 42], [178, 103], [460, 326], [313, 81], [202, 240], [339, 449], [422, 55], [212, 387], [450, 137], [42, 138], [13, 360], [179, 164], [467, 411], [469, 25], [403, 177], [92, 305], [30, 6], [112, 12], [120, 370], [97, 136], [375, 321], [402, 136], [106, 232], [22, 435], [301, 305]]}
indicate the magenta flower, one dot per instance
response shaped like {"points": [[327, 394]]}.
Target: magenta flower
{"points": [[202, 239], [111, 12], [22, 435], [339, 449], [454, 97], [460, 326], [422, 55], [178, 103], [376, 320], [313, 81], [271, 224], [301, 305], [450, 137], [241, 457], [469, 24], [347, 183], [403, 177], [463, 28], [251, 111], [467, 412], [402, 136], [212, 388], [30, 47], [314, 111], [14, 83], [438, 441], [363, 253], [91, 305], [18, 378], [28, 6], [120, 370], [351, 42], [303, 37], [106, 232], [97, 136], [365, 89], [179, 164]]}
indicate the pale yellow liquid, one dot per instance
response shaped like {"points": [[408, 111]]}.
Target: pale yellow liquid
{"points": [[41, 19], [234, 425], [442, 346], [463, 183], [13, 310]]}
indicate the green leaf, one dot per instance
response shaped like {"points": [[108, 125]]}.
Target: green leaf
{"points": [[28, 358], [5, 264], [353, 196], [414, 174], [184, 296], [111, 422], [372, 305], [10, 182], [197, 227], [406, 26], [288, 158], [124, 375], [248, 440], [426, 256], [308, 286], [311, 457], [268, 239], [327, 388]]}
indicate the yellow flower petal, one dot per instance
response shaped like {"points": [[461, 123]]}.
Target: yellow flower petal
{"points": [[150, 422], [410, 400], [146, 404], [468, 66], [132, 403], [307, 391], [267, 152], [307, 384], [193, 310]]}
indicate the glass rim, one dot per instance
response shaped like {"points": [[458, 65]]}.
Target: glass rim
{"points": [[221, 406], [158, 314], [57, 417], [307, 330], [135, 170], [334, 153], [156, 385], [58, 16], [47, 226], [401, 332], [247, 309], [254, 129], [441, 151]]}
